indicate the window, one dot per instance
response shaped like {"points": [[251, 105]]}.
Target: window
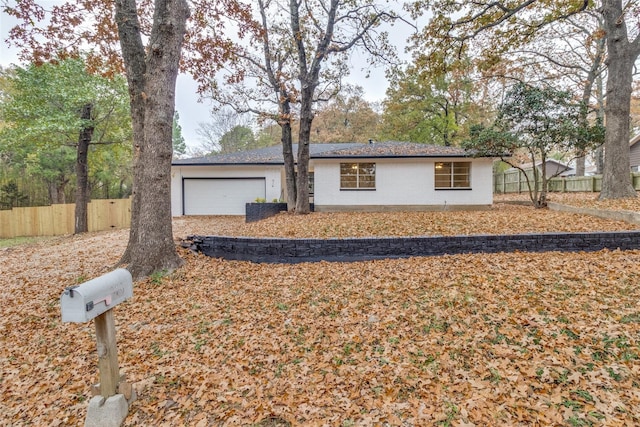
{"points": [[453, 174], [354, 176]]}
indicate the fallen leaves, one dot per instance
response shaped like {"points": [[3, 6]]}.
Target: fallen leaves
{"points": [[501, 339], [501, 219], [583, 200]]}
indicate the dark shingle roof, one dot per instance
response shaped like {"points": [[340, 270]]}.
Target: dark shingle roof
{"points": [[273, 155], [261, 156], [392, 149]]}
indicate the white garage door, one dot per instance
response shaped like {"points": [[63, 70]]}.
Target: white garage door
{"points": [[220, 196]]}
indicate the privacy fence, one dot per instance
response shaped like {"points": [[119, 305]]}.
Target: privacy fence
{"points": [[56, 220], [515, 181]]}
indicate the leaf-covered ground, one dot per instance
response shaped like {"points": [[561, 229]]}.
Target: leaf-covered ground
{"points": [[587, 200], [501, 339], [502, 218]]}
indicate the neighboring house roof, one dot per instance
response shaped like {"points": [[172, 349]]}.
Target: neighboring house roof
{"points": [[553, 167], [588, 171], [634, 140], [273, 155], [557, 163]]}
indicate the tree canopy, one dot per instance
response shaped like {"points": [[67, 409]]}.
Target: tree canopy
{"points": [[42, 107], [348, 117], [51, 110], [431, 105], [491, 30], [240, 138]]}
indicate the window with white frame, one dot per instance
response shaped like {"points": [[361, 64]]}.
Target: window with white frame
{"points": [[357, 176], [452, 175]]}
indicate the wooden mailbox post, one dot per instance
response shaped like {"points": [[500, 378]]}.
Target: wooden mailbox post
{"points": [[107, 354], [95, 300]]}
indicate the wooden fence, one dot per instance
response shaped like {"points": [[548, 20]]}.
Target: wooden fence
{"points": [[516, 182], [56, 220]]}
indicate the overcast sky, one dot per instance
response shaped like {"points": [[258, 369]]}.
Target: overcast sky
{"points": [[192, 112]]}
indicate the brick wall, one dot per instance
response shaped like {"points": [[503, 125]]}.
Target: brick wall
{"points": [[359, 249]]}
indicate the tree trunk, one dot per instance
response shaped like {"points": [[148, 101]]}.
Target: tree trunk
{"points": [[133, 55], [53, 192], [302, 180], [531, 180], [82, 171], [580, 164], [61, 184], [121, 189], [599, 154], [308, 75], [594, 73], [599, 158], [616, 179], [284, 104], [152, 77], [584, 120], [289, 165], [542, 198]]}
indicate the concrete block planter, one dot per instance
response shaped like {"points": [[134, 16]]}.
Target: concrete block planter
{"points": [[259, 211]]}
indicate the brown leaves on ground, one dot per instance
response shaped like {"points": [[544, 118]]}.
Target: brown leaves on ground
{"points": [[501, 339], [500, 219], [583, 200]]}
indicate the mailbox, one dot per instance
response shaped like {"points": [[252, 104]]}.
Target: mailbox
{"points": [[90, 299]]}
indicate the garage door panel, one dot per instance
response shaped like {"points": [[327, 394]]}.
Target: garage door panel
{"points": [[220, 196]]}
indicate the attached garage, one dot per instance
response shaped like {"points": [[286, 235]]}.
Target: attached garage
{"points": [[220, 196]]}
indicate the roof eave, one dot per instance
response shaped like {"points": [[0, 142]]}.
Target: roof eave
{"points": [[399, 156], [230, 164]]}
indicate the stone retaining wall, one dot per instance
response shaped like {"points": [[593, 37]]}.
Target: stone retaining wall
{"points": [[279, 250]]}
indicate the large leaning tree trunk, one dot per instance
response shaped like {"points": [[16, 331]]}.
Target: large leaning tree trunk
{"points": [[151, 74], [82, 171], [616, 179]]}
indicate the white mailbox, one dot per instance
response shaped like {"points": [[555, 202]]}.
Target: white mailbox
{"points": [[90, 299]]}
